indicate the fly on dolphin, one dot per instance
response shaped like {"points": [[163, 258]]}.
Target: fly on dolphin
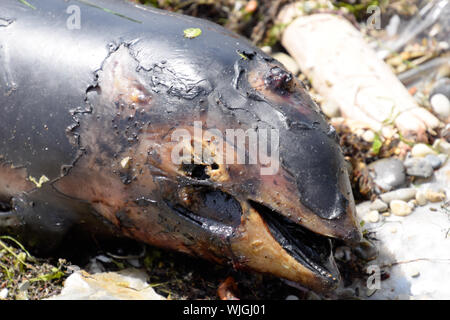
{"points": [[88, 115]]}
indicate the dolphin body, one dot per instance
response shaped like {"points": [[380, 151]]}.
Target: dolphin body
{"points": [[92, 94]]}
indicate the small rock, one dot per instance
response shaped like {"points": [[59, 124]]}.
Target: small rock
{"points": [[433, 160], [379, 205], [373, 216], [343, 253], [413, 272], [404, 194], [3, 293], [266, 49], [433, 196], [292, 297], [400, 208], [366, 250], [331, 109], [418, 167], [368, 136], [420, 150], [287, 61], [388, 132], [387, 173], [442, 145], [440, 105], [421, 199]]}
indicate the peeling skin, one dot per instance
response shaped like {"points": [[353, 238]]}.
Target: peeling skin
{"points": [[14, 181], [102, 134]]}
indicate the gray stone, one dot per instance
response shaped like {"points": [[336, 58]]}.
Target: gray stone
{"points": [[404, 194], [434, 161], [387, 174], [418, 167]]}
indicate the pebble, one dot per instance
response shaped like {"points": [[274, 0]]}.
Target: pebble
{"points": [[418, 167], [292, 297], [287, 61], [366, 250], [266, 49], [343, 253], [368, 136], [379, 205], [413, 272], [434, 161], [421, 199], [443, 146], [373, 216], [4, 293], [440, 105], [400, 208], [420, 150], [388, 173], [331, 109], [433, 196], [404, 194]]}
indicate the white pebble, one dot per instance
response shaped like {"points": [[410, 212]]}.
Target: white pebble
{"points": [[420, 150], [400, 208], [421, 199], [443, 146], [404, 194], [331, 109], [368, 136], [266, 49], [373, 216], [440, 105], [3, 293], [413, 272]]}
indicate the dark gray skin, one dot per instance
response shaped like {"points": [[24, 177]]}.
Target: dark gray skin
{"points": [[92, 110]]}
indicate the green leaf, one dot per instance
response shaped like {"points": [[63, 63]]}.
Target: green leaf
{"points": [[191, 33], [376, 144]]}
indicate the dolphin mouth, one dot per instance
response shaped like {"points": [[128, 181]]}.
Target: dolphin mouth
{"points": [[310, 249]]}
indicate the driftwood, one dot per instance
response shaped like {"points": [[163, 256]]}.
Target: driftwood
{"points": [[346, 72]]}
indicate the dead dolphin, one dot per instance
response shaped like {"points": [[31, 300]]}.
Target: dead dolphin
{"points": [[98, 96]]}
